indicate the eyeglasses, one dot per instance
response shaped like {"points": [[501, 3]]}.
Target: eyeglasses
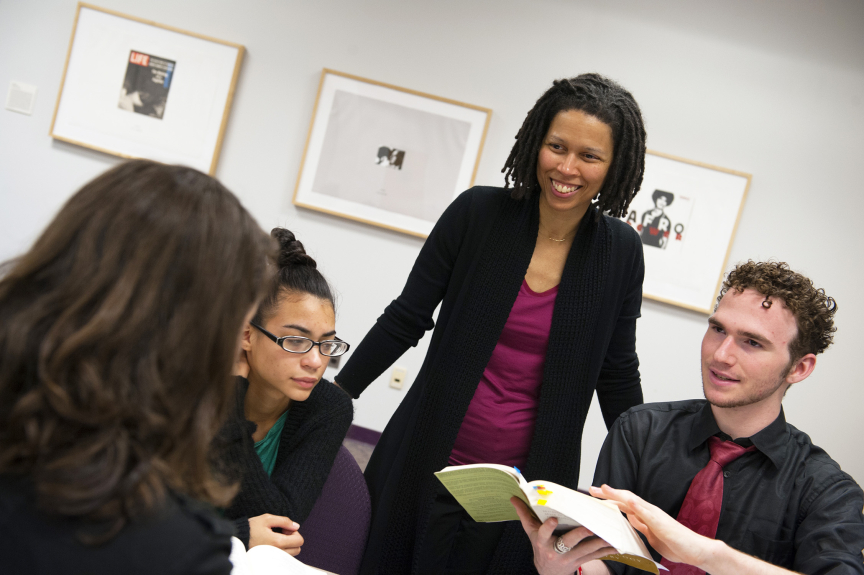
{"points": [[300, 344]]}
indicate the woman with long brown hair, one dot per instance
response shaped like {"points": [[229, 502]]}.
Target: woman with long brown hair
{"points": [[117, 334]]}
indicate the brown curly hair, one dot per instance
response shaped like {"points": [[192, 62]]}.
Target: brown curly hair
{"points": [[118, 331], [813, 310]]}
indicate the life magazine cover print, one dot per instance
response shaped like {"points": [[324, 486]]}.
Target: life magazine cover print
{"points": [[122, 92], [145, 88]]}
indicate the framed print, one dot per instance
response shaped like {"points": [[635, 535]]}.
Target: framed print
{"points": [[386, 155], [138, 89], [686, 214]]}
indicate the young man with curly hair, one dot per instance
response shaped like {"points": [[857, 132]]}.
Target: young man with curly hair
{"points": [[751, 493]]}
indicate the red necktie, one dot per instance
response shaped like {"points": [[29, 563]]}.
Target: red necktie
{"points": [[701, 508]]}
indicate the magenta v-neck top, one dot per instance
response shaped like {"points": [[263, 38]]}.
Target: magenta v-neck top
{"points": [[499, 424]]}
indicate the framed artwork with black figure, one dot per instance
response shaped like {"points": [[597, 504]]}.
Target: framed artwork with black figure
{"points": [[686, 214], [386, 155]]}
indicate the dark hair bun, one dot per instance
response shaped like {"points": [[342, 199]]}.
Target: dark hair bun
{"points": [[297, 273], [291, 251]]}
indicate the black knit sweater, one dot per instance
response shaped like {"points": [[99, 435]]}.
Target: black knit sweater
{"points": [[180, 536], [473, 263], [314, 430]]}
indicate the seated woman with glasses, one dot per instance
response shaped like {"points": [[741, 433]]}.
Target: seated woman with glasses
{"points": [[287, 428]]}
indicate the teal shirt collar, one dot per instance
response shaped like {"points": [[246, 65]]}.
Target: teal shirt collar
{"points": [[268, 448]]}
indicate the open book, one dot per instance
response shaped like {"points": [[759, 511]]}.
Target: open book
{"points": [[267, 560], [485, 489]]}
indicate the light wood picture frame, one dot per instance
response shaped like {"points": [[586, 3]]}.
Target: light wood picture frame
{"points": [[138, 89], [387, 156], [686, 213]]}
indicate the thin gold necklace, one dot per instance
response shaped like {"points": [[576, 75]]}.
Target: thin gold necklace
{"points": [[564, 239]]}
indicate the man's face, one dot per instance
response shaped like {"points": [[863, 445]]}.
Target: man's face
{"points": [[745, 352]]}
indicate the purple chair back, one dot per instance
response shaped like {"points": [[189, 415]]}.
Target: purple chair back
{"points": [[336, 530]]}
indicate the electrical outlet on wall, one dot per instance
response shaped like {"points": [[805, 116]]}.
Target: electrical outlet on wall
{"points": [[397, 378]]}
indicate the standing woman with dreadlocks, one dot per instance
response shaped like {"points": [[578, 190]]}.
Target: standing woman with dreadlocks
{"points": [[539, 293]]}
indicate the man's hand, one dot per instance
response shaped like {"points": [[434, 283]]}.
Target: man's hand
{"points": [[681, 545], [671, 539], [584, 545], [261, 533]]}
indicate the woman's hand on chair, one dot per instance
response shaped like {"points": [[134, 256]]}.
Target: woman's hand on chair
{"points": [[261, 533]]}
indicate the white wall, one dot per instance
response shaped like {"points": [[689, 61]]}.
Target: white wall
{"points": [[772, 88]]}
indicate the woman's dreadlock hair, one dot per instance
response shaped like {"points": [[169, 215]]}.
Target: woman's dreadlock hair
{"points": [[608, 102]]}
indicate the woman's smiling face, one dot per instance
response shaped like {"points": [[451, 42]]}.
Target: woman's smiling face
{"points": [[294, 375], [573, 161]]}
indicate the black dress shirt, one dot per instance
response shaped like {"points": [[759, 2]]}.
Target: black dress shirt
{"points": [[787, 502]]}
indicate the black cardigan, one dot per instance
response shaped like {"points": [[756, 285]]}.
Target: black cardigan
{"points": [[473, 263], [314, 430]]}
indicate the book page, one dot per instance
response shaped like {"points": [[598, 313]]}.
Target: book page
{"points": [[266, 560], [512, 471], [602, 518], [238, 558], [484, 490]]}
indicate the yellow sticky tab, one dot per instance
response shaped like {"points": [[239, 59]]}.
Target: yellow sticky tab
{"points": [[541, 502], [544, 492]]}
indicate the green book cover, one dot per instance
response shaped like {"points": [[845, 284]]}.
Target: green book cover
{"points": [[485, 489]]}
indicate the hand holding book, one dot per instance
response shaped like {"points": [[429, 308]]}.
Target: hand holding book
{"points": [[486, 491], [584, 545]]}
